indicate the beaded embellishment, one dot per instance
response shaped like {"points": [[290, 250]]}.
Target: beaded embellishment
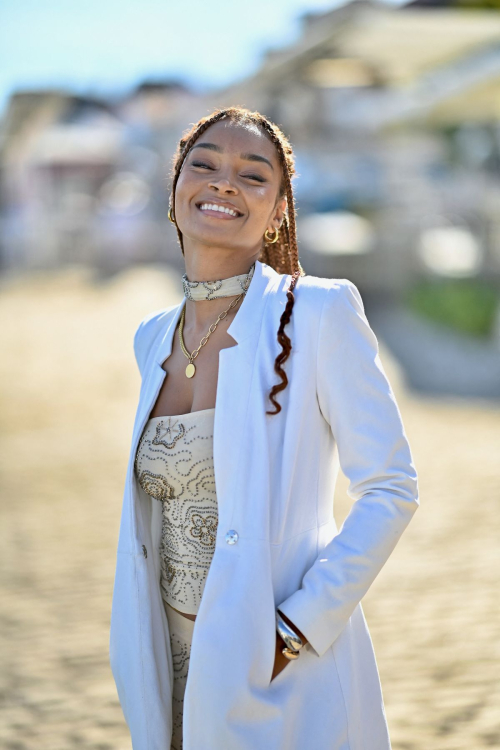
{"points": [[157, 440], [156, 486], [174, 464], [200, 290]]}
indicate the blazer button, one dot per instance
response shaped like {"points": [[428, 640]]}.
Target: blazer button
{"points": [[231, 536], [144, 550]]}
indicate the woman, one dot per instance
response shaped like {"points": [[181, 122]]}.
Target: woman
{"points": [[236, 620]]}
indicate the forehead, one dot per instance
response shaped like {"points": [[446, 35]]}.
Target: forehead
{"points": [[234, 137]]}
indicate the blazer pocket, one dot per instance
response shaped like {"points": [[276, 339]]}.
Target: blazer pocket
{"points": [[281, 675]]}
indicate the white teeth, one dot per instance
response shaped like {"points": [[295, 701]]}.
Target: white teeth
{"points": [[215, 207]]}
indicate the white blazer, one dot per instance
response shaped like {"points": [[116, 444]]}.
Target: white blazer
{"points": [[275, 479]]}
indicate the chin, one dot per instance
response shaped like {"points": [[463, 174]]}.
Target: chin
{"points": [[207, 237]]}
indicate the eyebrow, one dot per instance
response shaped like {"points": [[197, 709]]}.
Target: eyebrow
{"points": [[248, 157]]}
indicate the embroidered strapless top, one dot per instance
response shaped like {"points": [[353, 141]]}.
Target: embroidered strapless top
{"points": [[174, 465]]}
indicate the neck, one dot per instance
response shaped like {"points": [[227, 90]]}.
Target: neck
{"points": [[203, 268]]}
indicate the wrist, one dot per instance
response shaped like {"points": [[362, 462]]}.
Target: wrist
{"points": [[292, 640], [293, 626]]}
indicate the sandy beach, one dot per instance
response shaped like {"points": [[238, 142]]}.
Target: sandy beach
{"points": [[68, 392]]}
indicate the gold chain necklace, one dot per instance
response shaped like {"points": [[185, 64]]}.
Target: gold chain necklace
{"points": [[190, 368]]}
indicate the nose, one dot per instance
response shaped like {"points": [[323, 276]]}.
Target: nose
{"points": [[223, 185]]}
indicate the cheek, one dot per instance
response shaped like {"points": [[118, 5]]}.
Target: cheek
{"points": [[262, 203], [189, 184], [183, 188]]}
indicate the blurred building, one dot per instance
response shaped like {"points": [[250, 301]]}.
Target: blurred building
{"points": [[394, 114], [84, 180]]}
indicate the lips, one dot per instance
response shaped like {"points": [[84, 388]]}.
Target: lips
{"points": [[219, 210]]}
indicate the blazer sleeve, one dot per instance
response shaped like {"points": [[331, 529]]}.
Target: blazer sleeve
{"points": [[357, 400]]}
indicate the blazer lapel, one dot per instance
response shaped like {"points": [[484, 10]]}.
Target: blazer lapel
{"points": [[233, 386]]}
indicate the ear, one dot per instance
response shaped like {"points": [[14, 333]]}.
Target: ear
{"points": [[279, 213]]}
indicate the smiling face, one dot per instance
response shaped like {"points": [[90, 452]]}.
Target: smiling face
{"points": [[229, 189]]}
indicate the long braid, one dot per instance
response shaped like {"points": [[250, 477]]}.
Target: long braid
{"points": [[289, 256], [283, 255]]}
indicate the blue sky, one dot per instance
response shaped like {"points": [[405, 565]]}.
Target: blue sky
{"points": [[109, 46]]}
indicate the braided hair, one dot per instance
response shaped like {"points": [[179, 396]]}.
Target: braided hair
{"points": [[283, 255]]}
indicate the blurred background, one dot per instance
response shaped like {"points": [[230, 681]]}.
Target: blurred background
{"points": [[394, 113]]}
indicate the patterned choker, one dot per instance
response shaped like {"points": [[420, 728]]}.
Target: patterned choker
{"points": [[198, 290]]}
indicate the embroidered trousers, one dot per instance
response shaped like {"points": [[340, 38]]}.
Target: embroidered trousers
{"points": [[181, 632]]}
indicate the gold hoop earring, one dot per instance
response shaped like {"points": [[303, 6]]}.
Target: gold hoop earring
{"points": [[275, 238], [171, 216]]}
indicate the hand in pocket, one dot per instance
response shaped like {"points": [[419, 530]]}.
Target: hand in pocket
{"points": [[280, 661]]}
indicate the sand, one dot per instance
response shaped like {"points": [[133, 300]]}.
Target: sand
{"points": [[68, 392]]}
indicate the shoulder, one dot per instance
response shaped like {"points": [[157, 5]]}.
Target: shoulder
{"points": [[323, 296], [332, 312], [148, 330]]}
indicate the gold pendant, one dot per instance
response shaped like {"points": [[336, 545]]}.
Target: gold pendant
{"points": [[190, 370]]}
